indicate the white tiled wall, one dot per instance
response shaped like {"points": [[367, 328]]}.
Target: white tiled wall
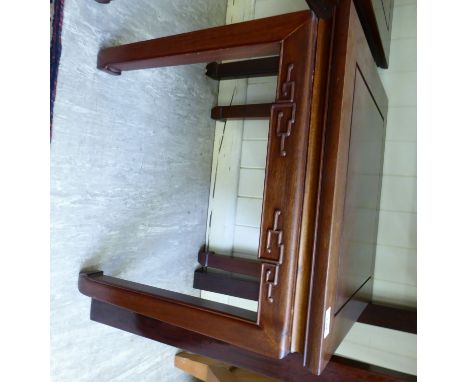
{"points": [[237, 172], [378, 346], [395, 270]]}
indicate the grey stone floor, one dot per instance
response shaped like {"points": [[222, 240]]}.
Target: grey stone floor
{"points": [[130, 176]]}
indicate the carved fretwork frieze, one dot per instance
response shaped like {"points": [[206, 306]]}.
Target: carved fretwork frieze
{"points": [[283, 119], [273, 255], [288, 87], [274, 244], [283, 112], [271, 273]]}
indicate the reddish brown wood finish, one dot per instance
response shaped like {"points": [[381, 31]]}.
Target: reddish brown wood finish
{"points": [[227, 42], [225, 283], [255, 111], [402, 319], [323, 8], [289, 369], [376, 18], [318, 107], [239, 265], [304, 233], [333, 283], [293, 37], [155, 302], [259, 67]]}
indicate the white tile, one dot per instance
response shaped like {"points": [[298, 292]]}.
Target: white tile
{"points": [[382, 347], [402, 124], [224, 186], [263, 80], [397, 229], [400, 158], [253, 154], [387, 292], [380, 358], [243, 303], [261, 92], [246, 240], [256, 129], [404, 22], [250, 255], [232, 92], [267, 8], [217, 297], [395, 264], [401, 88], [251, 183], [404, 2], [403, 55], [392, 341], [249, 212], [398, 194]]}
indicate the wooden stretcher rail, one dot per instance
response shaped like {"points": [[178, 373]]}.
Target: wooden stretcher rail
{"points": [[396, 318], [255, 111], [402, 319], [260, 67], [134, 296], [288, 369], [226, 283], [239, 265]]}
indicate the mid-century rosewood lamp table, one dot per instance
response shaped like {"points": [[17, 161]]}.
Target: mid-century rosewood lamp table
{"points": [[320, 203]]}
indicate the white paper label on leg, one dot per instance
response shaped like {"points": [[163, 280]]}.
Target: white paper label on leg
{"points": [[326, 329]]}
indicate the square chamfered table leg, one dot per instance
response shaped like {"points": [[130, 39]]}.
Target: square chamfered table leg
{"points": [[262, 37]]}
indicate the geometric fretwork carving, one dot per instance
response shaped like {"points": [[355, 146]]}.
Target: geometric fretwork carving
{"points": [[283, 111], [283, 119], [288, 87], [275, 240], [272, 258], [271, 272]]}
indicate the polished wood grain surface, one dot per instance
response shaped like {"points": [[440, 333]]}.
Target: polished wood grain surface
{"points": [[376, 18], [323, 165], [362, 193], [293, 38], [155, 302], [210, 370], [323, 8], [289, 369], [260, 67], [227, 42], [226, 283], [351, 57], [254, 111], [396, 318], [318, 107], [239, 265]]}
